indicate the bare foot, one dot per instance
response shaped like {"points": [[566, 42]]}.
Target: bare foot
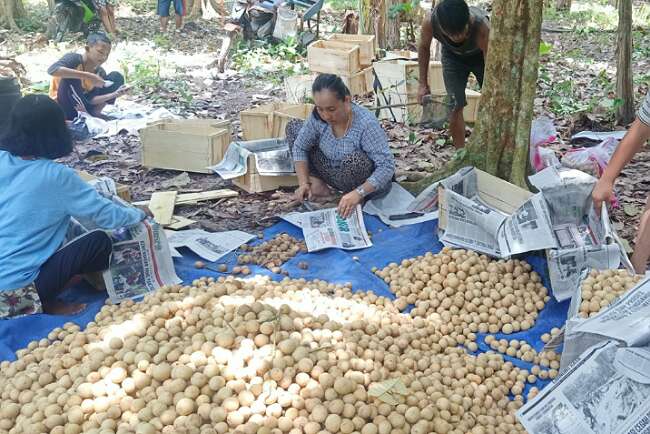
{"points": [[59, 308]]}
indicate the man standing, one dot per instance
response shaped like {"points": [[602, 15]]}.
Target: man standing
{"points": [[463, 32]]}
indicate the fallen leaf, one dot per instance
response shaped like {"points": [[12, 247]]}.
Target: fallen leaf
{"points": [[386, 390], [630, 210], [177, 181]]}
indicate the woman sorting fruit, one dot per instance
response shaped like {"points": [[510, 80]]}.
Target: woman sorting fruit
{"points": [[342, 147], [38, 197]]}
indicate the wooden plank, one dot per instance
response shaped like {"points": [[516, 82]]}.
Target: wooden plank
{"points": [[189, 198], [179, 222], [162, 206]]}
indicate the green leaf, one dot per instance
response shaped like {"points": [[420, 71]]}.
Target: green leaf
{"points": [[544, 48], [440, 142], [630, 210]]}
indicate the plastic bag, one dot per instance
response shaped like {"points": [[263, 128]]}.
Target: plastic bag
{"points": [[591, 160], [542, 131]]}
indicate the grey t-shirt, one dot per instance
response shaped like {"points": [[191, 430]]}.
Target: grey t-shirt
{"points": [[644, 110], [470, 46]]}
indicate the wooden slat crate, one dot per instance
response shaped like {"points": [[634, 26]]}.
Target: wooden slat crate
{"points": [[253, 182], [360, 83], [367, 45], [334, 57], [257, 122], [284, 116], [402, 76], [298, 87], [185, 144], [413, 113]]}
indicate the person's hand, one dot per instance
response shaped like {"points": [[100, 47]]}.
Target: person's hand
{"points": [[96, 80], [303, 192], [145, 209], [602, 192], [124, 89], [348, 203], [423, 91]]}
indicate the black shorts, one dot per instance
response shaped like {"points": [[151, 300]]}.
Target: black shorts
{"points": [[455, 72]]}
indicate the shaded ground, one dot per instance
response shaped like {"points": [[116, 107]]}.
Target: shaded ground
{"points": [[576, 79]]}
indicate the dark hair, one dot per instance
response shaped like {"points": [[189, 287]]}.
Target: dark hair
{"points": [[37, 128], [96, 38], [453, 16], [330, 82]]}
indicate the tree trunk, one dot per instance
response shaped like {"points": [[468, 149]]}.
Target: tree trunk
{"points": [[563, 5], [624, 78], [372, 19], [9, 11], [393, 25], [499, 143]]}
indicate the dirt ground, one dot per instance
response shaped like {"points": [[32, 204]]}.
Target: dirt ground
{"points": [[189, 88]]}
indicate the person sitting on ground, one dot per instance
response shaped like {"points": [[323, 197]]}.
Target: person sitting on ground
{"points": [[635, 138], [80, 83], [463, 33], [341, 145], [38, 197], [163, 13]]}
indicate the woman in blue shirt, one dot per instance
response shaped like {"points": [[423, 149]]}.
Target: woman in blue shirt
{"points": [[340, 146], [37, 199]]}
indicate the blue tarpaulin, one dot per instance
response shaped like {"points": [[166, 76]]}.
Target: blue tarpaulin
{"points": [[332, 265]]}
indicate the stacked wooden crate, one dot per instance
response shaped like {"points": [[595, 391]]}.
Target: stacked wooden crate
{"points": [[270, 120], [399, 79], [348, 56], [185, 144]]}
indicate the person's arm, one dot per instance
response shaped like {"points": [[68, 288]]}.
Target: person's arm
{"points": [[66, 67], [375, 144], [424, 56], [80, 199], [484, 38], [100, 99], [635, 138], [307, 137]]}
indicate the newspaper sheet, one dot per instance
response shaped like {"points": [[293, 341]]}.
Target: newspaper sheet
{"points": [[325, 228], [591, 397], [272, 158], [209, 246], [626, 320], [140, 263], [395, 209], [142, 258], [472, 223], [585, 238]]}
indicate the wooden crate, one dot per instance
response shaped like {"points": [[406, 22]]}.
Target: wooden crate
{"points": [[401, 54], [470, 113], [402, 76], [367, 45], [122, 190], [334, 57], [270, 120], [254, 182], [360, 83], [284, 116], [257, 123], [413, 113], [185, 144]]}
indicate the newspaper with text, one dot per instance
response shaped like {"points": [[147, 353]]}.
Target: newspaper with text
{"points": [[601, 392], [209, 246], [470, 222], [141, 262], [272, 158], [397, 208], [585, 237], [142, 259], [324, 229], [627, 320]]}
